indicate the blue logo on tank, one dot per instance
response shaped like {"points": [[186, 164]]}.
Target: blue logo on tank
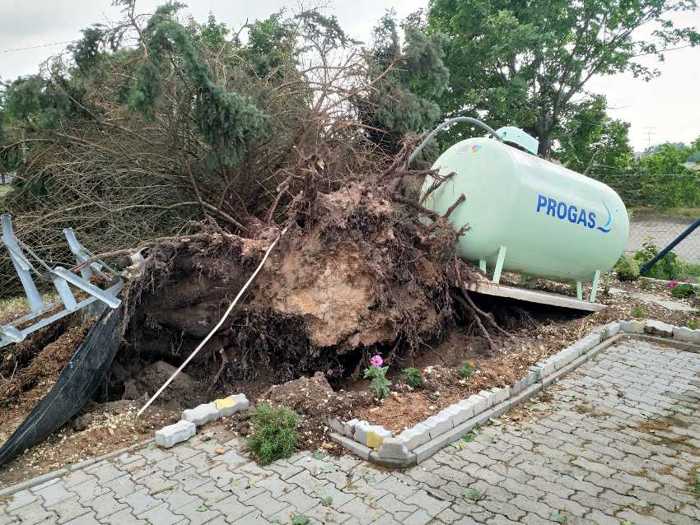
{"points": [[568, 212]]}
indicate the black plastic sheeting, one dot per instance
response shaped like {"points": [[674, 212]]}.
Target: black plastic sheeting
{"points": [[75, 386]]}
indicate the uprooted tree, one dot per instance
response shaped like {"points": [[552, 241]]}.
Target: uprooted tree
{"points": [[196, 148]]}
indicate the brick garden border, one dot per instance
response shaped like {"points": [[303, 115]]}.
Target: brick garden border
{"points": [[376, 444]]}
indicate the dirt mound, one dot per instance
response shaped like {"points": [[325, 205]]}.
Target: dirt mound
{"points": [[183, 392], [314, 396]]}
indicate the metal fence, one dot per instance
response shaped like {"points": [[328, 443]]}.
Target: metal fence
{"points": [[661, 230]]}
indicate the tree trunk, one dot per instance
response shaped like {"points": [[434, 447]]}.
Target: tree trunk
{"points": [[545, 148]]}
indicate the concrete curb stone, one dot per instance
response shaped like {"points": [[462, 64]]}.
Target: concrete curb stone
{"points": [[171, 435], [201, 414], [686, 335], [659, 328]]}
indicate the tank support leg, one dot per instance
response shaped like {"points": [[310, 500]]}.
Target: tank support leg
{"points": [[594, 288], [499, 265], [482, 265], [579, 290]]}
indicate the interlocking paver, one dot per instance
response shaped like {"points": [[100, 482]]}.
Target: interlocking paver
{"points": [[586, 457]]}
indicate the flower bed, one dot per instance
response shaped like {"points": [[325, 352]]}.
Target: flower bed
{"points": [[417, 443]]}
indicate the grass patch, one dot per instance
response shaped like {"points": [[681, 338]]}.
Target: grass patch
{"points": [[4, 190], [274, 433]]}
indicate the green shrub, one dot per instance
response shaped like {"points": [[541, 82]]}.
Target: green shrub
{"points": [[379, 384], [683, 291], [627, 269], [300, 519], [274, 434], [466, 371], [693, 324], [669, 267], [413, 377]]}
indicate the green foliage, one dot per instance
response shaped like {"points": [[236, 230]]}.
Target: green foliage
{"points": [[413, 377], [211, 35], [683, 291], [466, 370], [274, 434], [271, 44], [558, 517], [591, 142], [228, 121], [529, 62], [379, 384], [692, 270], [627, 269], [669, 267], [87, 51], [470, 436], [39, 103], [693, 324], [638, 312], [411, 77], [473, 495], [300, 519]]}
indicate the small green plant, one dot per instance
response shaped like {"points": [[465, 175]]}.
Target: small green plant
{"points": [[300, 519], [471, 436], [683, 291], [627, 269], [638, 312], [558, 517], [274, 434], [693, 324], [376, 373], [413, 377], [466, 370], [695, 481], [473, 495], [327, 501]]}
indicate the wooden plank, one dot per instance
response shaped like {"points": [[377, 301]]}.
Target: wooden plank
{"points": [[532, 296]]}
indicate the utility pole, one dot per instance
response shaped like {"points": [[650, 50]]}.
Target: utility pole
{"points": [[650, 131]]}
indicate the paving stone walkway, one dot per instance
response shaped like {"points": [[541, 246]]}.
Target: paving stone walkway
{"points": [[615, 442]]}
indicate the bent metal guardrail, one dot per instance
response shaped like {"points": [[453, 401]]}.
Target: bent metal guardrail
{"points": [[42, 314]]}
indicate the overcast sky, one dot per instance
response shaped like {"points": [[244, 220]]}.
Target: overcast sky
{"points": [[666, 109]]}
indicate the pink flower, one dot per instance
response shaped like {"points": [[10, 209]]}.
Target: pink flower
{"points": [[376, 361], [673, 284]]}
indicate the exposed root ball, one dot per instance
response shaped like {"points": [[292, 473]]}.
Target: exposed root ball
{"points": [[355, 271]]}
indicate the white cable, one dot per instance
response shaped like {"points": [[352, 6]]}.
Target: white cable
{"points": [[216, 328]]}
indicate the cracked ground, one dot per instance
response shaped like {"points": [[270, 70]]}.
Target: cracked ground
{"points": [[615, 442]]}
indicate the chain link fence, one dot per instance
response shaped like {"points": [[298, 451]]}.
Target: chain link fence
{"points": [[660, 230], [662, 206]]}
